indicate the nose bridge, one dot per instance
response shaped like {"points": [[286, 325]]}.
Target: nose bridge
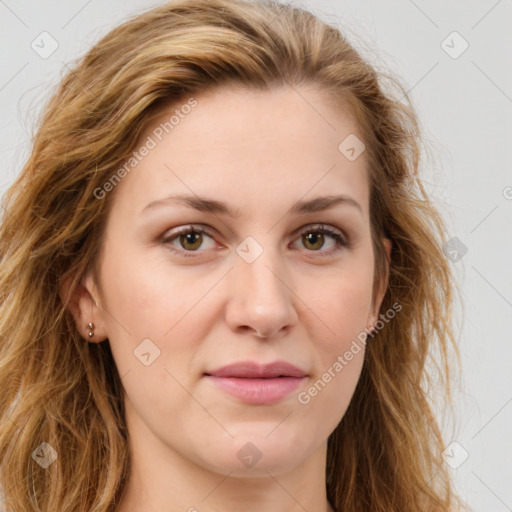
{"points": [[260, 297], [258, 268]]}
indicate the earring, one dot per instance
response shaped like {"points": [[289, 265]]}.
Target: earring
{"points": [[91, 329]]}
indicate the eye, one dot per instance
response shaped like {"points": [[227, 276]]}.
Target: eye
{"points": [[189, 238], [315, 236], [186, 240]]}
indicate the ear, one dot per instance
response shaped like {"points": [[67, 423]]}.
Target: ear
{"points": [[374, 315], [83, 303]]}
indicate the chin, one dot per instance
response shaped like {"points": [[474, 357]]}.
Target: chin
{"points": [[255, 452]]}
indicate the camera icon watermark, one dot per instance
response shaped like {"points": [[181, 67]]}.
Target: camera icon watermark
{"points": [[146, 352], [454, 45], [351, 147], [455, 455], [249, 455], [249, 250], [44, 45], [454, 249], [44, 455]]}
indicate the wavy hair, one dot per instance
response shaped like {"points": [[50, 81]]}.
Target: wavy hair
{"points": [[386, 453]]}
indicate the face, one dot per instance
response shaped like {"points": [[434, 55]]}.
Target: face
{"points": [[252, 268]]}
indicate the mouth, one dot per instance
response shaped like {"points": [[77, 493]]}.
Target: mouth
{"points": [[257, 384]]}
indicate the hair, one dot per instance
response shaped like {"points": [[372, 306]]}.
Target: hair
{"points": [[386, 452]]}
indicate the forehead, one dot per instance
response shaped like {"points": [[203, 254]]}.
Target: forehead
{"points": [[253, 149]]}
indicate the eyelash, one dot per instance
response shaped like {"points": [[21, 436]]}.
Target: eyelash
{"points": [[341, 241]]}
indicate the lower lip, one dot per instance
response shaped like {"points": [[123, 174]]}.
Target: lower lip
{"points": [[257, 391]]}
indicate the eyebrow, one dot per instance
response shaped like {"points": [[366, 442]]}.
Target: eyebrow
{"points": [[204, 204]]}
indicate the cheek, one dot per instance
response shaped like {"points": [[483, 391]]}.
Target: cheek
{"points": [[153, 329], [339, 346], [328, 395], [336, 321], [158, 303], [340, 305], [148, 296]]}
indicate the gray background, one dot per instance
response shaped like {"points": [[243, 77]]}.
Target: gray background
{"points": [[465, 107]]}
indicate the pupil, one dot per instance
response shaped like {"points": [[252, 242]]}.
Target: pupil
{"points": [[314, 237], [193, 239]]}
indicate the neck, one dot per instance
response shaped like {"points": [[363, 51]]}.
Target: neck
{"points": [[162, 480]]}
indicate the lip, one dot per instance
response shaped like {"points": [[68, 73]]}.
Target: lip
{"points": [[255, 383]]}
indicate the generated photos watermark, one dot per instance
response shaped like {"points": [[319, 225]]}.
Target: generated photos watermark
{"points": [[149, 144], [304, 397]]}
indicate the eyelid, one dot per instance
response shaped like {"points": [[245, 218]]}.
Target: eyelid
{"points": [[342, 240], [169, 237]]}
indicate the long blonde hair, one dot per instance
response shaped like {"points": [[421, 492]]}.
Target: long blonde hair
{"points": [[386, 453]]}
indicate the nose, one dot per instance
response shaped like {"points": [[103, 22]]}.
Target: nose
{"points": [[261, 298]]}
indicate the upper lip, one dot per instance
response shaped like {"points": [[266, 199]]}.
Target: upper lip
{"points": [[254, 370]]}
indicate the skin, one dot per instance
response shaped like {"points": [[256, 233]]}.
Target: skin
{"points": [[305, 303]]}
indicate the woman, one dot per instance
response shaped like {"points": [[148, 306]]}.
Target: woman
{"points": [[222, 279]]}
